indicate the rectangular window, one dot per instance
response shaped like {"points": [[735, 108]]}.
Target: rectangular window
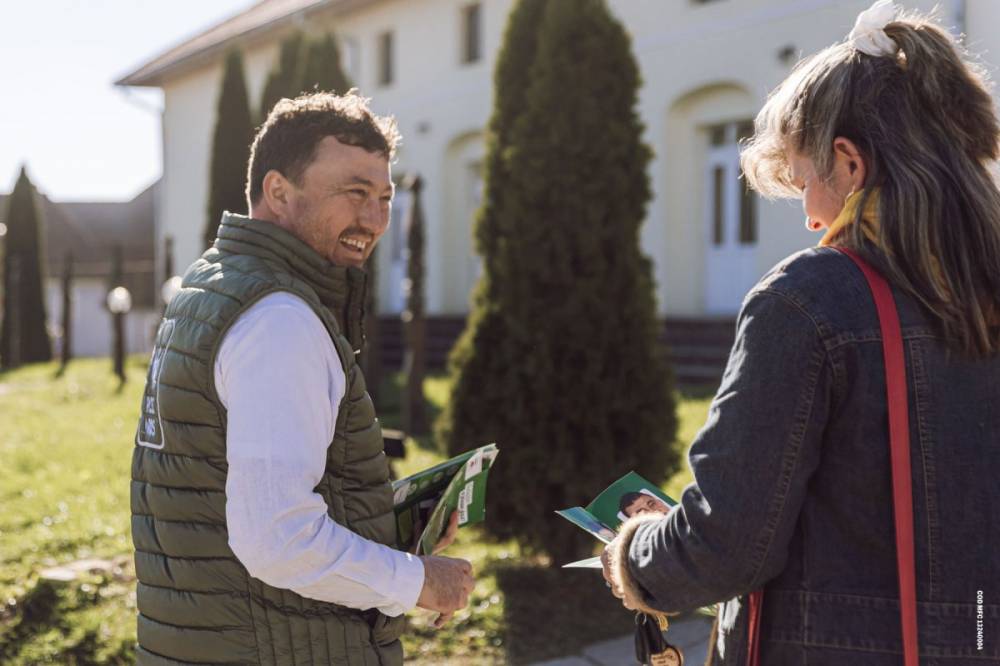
{"points": [[385, 59], [717, 135], [472, 16], [718, 201], [352, 59]]}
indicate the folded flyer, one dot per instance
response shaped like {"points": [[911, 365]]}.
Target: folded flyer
{"points": [[424, 501], [629, 496]]}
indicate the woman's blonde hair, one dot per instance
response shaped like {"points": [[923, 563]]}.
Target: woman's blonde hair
{"points": [[925, 123]]}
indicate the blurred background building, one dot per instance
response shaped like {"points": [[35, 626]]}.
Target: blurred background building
{"points": [[707, 67], [90, 230]]}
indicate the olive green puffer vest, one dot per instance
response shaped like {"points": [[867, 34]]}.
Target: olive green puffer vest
{"points": [[197, 603]]}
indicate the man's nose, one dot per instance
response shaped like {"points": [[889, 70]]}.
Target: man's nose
{"points": [[373, 218]]}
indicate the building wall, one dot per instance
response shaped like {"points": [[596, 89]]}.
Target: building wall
{"points": [[702, 64]]}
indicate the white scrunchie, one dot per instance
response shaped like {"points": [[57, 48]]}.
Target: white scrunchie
{"points": [[868, 35]]}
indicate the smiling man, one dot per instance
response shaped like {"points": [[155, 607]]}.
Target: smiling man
{"points": [[261, 506]]}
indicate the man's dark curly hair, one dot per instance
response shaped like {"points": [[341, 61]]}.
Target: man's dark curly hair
{"points": [[287, 140]]}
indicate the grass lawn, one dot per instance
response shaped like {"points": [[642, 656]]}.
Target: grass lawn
{"points": [[66, 578]]}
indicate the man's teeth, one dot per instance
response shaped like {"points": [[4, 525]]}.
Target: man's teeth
{"points": [[353, 242]]}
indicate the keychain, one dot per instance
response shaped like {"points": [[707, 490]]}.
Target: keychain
{"points": [[651, 648]]}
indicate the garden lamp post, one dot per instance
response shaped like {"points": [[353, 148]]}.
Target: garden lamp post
{"points": [[170, 288], [119, 303]]}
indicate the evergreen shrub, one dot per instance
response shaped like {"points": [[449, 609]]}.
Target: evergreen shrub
{"points": [[230, 148], [560, 363], [24, 337]]}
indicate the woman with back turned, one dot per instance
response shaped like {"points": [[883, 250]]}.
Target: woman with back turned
{"points": [[889, 138]]}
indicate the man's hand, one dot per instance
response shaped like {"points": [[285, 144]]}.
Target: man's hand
{"points": [[449, 534], [447, 585], [446, 539]]}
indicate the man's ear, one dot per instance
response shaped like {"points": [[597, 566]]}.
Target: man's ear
{"points": [[276, 193], [851, 162]]}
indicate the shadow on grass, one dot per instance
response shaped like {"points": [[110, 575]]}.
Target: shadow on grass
{"points": [[388, 406], [550, 613], [39, 622]]}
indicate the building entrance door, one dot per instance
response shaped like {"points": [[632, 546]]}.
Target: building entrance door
{"points": [[730, 222]]}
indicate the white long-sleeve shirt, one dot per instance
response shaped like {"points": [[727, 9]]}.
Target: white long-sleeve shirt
{"points": [[281, 381]]}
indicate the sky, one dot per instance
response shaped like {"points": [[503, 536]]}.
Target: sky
{"points": [[81, 137]]}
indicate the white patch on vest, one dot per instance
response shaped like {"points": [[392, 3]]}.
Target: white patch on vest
{"points": [[151, 403]]}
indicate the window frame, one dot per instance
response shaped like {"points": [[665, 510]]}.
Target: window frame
{"points": [[471, 33], [385, 49]]}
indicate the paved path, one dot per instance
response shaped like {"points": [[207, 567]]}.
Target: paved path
{"points": [[690, 634]]}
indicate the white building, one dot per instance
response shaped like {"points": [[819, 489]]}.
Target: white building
{"points": [[707, 67]]}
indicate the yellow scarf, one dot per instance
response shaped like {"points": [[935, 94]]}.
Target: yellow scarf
{"points": [[870, 228], [869, 218]]}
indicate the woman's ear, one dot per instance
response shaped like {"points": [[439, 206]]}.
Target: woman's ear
{"points": [[850, 163]]}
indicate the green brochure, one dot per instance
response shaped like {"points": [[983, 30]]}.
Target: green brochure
{"points": [[424, 501], [626, 497]]}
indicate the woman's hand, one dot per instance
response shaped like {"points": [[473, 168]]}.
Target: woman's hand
{"points": [[616, 589]]}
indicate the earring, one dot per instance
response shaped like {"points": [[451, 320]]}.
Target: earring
{"points": [[848, 195]]}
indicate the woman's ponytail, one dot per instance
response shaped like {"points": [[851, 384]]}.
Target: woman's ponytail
{"points": [[951, 92]]}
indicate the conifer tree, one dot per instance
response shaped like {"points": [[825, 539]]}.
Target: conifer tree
{"points": [[283, 80], [371, 355], [475, 413], [230, 148], [586, 392], [23, 336], [414, 408], [321, 68]]}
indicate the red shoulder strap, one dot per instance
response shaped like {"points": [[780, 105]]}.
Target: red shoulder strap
{"points": [[899, 439], [902, 490]]}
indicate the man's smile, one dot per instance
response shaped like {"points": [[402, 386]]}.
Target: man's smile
{"points": [[354, 244]]}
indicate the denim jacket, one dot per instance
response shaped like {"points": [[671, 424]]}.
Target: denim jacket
{"points": [[793, 492]]}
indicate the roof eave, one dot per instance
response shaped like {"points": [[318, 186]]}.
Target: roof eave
{"points": [[154, 77]]}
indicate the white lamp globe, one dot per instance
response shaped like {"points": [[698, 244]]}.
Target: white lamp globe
{"points": [[170, 288], [119, 300]]}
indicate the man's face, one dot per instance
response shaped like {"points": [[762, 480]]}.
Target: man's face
{"points": [[646, 504], [341, 207]]}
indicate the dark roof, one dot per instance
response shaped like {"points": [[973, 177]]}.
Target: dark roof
{"points": [[91, 229], [259, 21]]}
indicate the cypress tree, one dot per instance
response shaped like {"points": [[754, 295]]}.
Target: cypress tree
{"points": [[414, 323], [371, 356], [230, 148], [283, 81], [23, 336], [587, 393], [475, 414], [321, 68]]}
